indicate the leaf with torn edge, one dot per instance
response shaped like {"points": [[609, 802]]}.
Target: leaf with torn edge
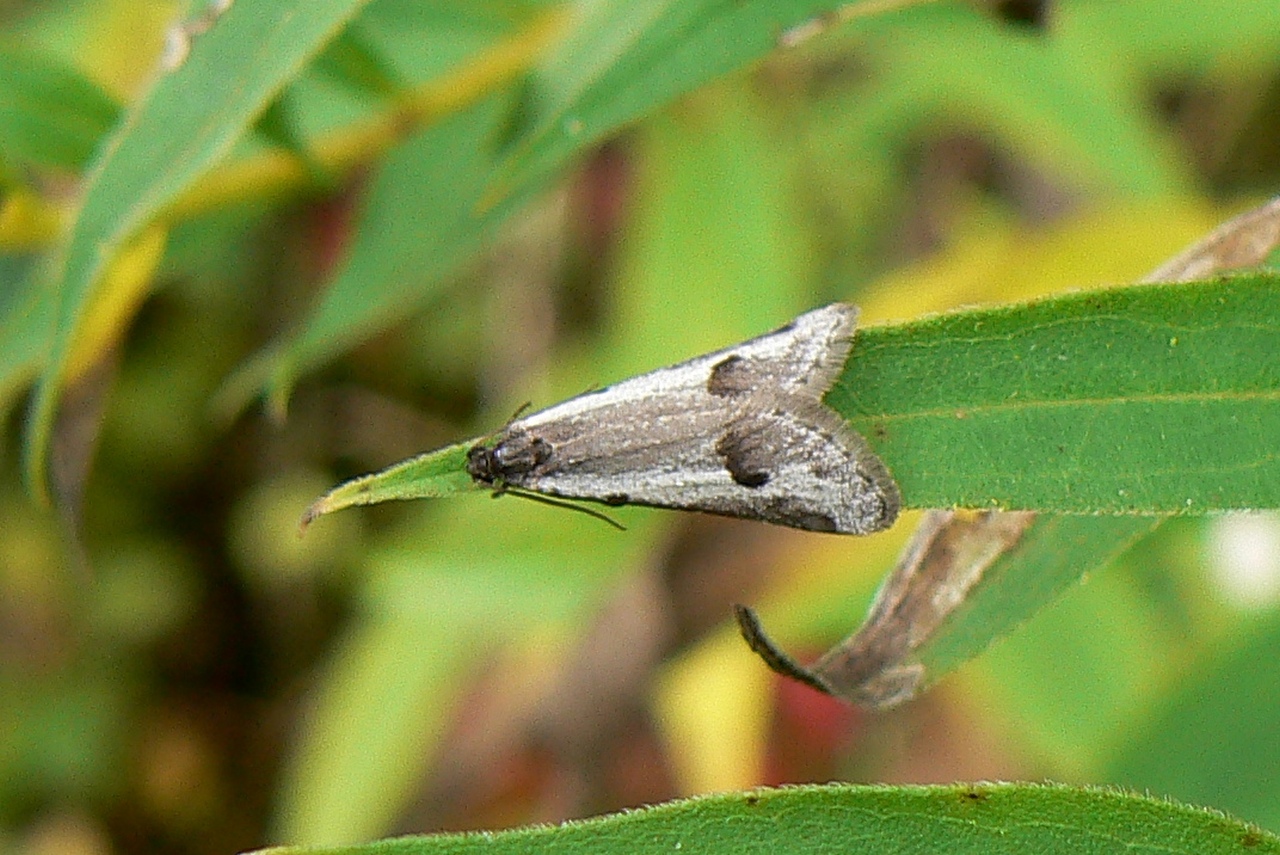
{"points": [[964, 580], [876, 667]]}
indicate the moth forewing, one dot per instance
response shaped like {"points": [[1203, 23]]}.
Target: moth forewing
{"points": [[740, 432], [807, 354], [795, 462]]}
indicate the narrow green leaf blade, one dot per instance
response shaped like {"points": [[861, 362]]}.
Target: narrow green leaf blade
{"points": [[979, 818], [378, 710], [627, 58], [1150, 399], [221, 80], [1053, 554], [420, 222], [1153, 399], [50, 114], [26, 312], [431, 475]]}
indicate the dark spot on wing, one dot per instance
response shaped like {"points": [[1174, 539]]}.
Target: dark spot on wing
{"points": [[616, 499], [747, 477], [730, 376], [745, 456]]}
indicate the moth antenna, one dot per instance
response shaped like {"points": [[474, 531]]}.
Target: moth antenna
{"points": [[560, 503], [519, 410]]}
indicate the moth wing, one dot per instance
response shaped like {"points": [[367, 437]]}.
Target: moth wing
{"points": [[798, 463], [741, 432], [804, 357], [791, 462], [822, 341]]}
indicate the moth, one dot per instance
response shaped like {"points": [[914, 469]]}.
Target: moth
{"points": [[742, 432]]}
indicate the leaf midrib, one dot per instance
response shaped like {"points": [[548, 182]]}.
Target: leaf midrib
{"points": [[967, 410]]}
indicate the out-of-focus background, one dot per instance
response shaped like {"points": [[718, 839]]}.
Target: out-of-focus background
{"points": [[179, 672]]}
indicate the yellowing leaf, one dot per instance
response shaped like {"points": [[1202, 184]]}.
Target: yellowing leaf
{"points": [[122, 289]]}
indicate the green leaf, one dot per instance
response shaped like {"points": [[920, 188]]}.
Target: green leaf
{"points": [[431, 475], [980, 818], [1152, 373], [26, 316], [1053, 100], [380, 707], [628, 57], [1052, 555], [400, 677], [1158, 390], [1149, 399], [189, 120], [420, 222], [50, 114]]}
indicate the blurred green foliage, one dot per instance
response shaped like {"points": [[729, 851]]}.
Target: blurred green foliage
{"points": [[399, 221]]}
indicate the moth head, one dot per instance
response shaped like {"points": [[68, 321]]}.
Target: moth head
{"points": [[515, 454], [480, 463]]}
